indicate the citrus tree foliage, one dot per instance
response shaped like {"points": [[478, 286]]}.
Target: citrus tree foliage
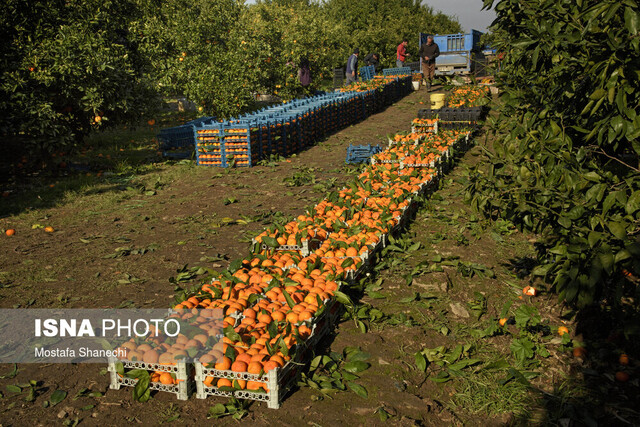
{"points": [[566, 160], [63, 64], [380, 25], [278, 34], [198, 52]]}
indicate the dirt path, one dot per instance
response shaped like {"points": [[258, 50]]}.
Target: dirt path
{"points": [[119, 246]]}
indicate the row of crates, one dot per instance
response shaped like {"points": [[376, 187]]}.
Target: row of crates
{"points": [[288, 128]]}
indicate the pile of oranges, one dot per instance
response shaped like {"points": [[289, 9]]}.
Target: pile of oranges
{"points": [[258, 314], [467, 96], [378, 82]]}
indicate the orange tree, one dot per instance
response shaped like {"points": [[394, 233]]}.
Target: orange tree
{"points": [[67, 67], [278, 34], [567, 160], [197, 51]]}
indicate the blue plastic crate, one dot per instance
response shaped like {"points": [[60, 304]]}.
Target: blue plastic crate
{"points": [[396, 71], [177, 142], [367, 73], [361, 153]]}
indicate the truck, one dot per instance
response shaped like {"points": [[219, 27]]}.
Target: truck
{"points": [[460, 53]]}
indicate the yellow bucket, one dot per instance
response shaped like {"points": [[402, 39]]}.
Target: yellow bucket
{"points": [[436, 100]]}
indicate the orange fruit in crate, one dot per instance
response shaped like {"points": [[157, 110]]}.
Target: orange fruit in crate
{"points": [[224, 382], [208, 381], [239, 366], [269, 365], [244, 358], [150, 356], [254, 368], [207, 358], [255, 386], [277, 359], [166, 378]]}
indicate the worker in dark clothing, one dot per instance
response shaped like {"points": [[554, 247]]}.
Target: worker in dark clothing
{"points": [[352, 67], [372, 59], [428, 53]]}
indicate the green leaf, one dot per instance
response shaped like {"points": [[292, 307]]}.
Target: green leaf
{"points": [[593, 238], [617, 229], [621, 256], [358, 389], [592, 176], [465, 363], [216, 411], [631, 20], [421, 361], [141, 391], [57, 397], [633, 203], [356, 366], [290, 302], [14, 388], [541, 270], [343, 299], [597, 94], [270, 241], [348, 262], [564, 221], [523, 349]]}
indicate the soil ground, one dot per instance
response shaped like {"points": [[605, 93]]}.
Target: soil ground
{"points": [[120, 237]]}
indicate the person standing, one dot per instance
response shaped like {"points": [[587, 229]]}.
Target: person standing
{"points": [[352, 67], [429, 51], [401, 53], [372, 59]]}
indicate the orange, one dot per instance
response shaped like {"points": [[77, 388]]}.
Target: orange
{"points": [[239, 366], [277, 359], [621, 376], [207, 358], [563, 330], [224, 364], [150, 356], [166, 378], [305, 315], [224, 382], [254, 368], [292, 317], [265, 318], [10, 232], [255, 386], [579, 352], [624, 359], [503, 321], [269, 365], [244, 357]]}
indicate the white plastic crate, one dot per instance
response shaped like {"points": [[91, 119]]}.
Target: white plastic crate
{"points": [[304, 250], [279, 381], [182, 370], [431, 129]]}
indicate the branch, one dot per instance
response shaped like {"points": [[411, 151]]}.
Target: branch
{"points": [[601, 151]]}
